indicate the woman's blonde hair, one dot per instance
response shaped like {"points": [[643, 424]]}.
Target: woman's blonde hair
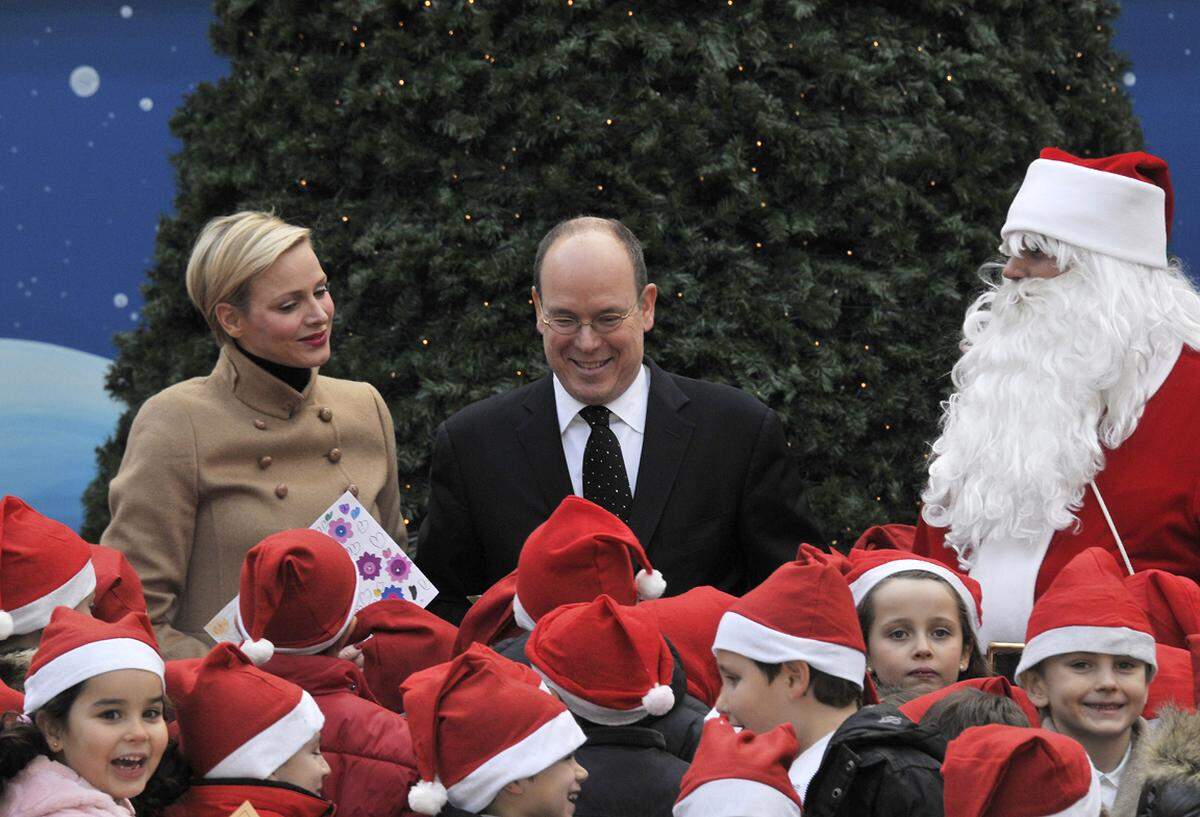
{"points": [[230, 252]]}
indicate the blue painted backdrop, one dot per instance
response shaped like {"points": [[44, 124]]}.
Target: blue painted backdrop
{"points": [[86, 90]]}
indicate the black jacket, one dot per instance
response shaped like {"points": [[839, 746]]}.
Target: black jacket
{"points": [[680, 728], [630, 773], [879, 764], [718, 496]]}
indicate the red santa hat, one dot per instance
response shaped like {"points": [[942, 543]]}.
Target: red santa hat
{"points": [[621, 676], [915, 709], [582, 551], [1087, 609], [400, 638], [118, 587], [297, 594], [1013, 771], [802, 612], [490, 618], [10, 700], [1171, 603], [1116, 205], [1173, 684], [867, 568], [76, 647], [887, 537], [479, 722], [740, 774], [236, 720], [689, 621], [43, 565]]}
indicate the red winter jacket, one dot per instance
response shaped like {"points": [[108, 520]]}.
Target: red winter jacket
{"points": [[368, 748], [220, 798]]}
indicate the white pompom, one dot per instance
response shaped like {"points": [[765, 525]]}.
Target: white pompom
{"points": [[6, 625], [259, 652], [650, 585], [659, 700], [427, 797]]}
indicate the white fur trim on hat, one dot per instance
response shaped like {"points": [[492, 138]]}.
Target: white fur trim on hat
{"points": [[1100, 211], [734, 797], [1089, 806], [427, 796], [650, 585], [262, 754], [1105, 640], [87, 661], [868, 581], [758, 642], [523, 619], [551, 742], [6, 625], [594, 712], [36, 614]]}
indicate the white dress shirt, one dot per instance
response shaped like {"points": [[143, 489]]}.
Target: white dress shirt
{"points": [[628, 423], [804, 768], [1111, 781]]}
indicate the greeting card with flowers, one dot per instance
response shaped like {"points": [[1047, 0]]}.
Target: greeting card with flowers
{"points": [[384, 570]]}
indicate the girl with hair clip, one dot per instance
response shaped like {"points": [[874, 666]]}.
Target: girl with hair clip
{"points": [[93, 734]]}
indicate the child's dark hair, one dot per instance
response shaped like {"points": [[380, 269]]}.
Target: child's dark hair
{"points": [[977, 663], [170, 781], [21, 742], [965, 708], [827, 689]]}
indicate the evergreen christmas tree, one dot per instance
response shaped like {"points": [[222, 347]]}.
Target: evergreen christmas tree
{"points": [[815, 183]]}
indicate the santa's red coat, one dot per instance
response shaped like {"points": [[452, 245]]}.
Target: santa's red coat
{"points": [[1151, 484]]}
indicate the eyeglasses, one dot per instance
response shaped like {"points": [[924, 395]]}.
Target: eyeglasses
{"points": [[604, 324]]}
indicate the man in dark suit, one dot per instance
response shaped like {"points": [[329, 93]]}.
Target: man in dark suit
{"points": [[699, 471]]}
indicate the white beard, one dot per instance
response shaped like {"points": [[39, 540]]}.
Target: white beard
{"points": [[1022, 434]]}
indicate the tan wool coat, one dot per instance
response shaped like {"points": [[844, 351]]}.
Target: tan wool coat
{"points": [[215, 464]]}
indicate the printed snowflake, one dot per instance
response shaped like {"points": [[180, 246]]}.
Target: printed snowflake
{"points": [[340, 529], [369, 566]]}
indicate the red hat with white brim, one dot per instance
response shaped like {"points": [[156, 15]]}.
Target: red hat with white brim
{"points": [[740, 774], [1119, 205], [1015, 771], [802, 612], [76, 647], [1087, 609]]}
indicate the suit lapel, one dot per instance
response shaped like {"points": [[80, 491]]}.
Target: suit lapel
{"points": [[542, 442], [663, 446]]}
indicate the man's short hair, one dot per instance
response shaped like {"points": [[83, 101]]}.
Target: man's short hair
{"points": [[827, 689], [583, 224]]}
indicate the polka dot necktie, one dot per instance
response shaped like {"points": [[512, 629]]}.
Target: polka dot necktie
{"points": [[604, 479]]}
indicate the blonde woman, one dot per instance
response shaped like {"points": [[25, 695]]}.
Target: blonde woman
{"points": [[263, 443]]}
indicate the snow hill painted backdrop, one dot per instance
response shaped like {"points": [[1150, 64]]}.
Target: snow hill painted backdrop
{"points": [[86, 90]]}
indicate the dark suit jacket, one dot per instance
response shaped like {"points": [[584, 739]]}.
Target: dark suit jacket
{"points": [[718, 496]]}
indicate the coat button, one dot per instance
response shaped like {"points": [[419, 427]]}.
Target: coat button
{"points": [[835, 794], [352, 488], [281, 490], [264, 461], [334, 454], [326, 414], [260, 425]]}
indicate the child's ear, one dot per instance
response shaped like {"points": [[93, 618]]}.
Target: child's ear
{"points": [[1035, 687], [515, 788], [798, 678], [52, 730]]}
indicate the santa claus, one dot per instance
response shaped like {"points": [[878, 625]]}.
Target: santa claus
{"points": [[1075, 418]]}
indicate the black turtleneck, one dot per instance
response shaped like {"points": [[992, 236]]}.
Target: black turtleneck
{"points": [[295, 376]]}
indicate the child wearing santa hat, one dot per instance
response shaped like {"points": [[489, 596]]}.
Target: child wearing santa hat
{"points": [[1010, 771], [791, 651], [578, 553], [93, 733], [248, 737], [919, 618], [1088, 662], [491, 740], [740, 774], [296, 601], [613, 669]]}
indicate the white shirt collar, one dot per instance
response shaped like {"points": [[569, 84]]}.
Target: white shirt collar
{"points": [[804, 768], [1113, 778], [630, 406]]}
